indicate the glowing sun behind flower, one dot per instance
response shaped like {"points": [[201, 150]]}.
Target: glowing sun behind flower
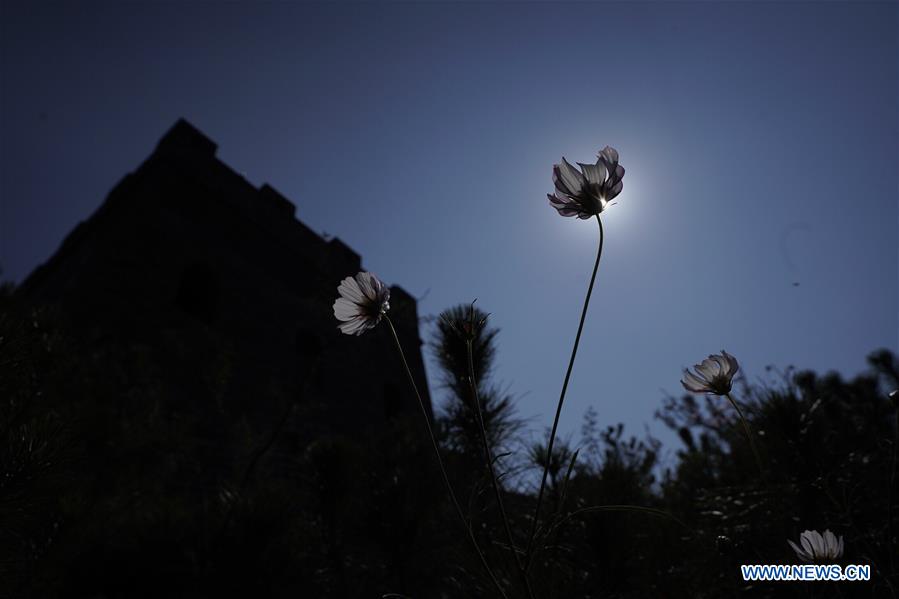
{"points": [[587, 192]]}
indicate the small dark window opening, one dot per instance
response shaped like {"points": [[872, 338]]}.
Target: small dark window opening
{"points": [[198, 293], [392, 401]]}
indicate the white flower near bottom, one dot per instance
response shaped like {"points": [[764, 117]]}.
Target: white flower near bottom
{"points": [[714, 375], [817, 547], [363, 301]]}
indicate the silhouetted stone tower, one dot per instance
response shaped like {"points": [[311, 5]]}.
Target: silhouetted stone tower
{"points": [[216, 288]]}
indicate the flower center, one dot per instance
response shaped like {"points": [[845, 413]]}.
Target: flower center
{"points": [[593, 201], [720, 384]]}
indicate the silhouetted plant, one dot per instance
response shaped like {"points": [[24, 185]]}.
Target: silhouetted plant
{"points": [[462, 431], [362, 303], [584, 194]]}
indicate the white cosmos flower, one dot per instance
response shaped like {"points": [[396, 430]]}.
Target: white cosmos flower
{"points": [[587, 192], [714, 375], [363, 301], [817, 547]]}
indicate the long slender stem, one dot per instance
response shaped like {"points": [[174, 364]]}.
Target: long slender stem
{"points": [[449, 487], [890, 493], [552, 436], [748, 432], [488, 455]]}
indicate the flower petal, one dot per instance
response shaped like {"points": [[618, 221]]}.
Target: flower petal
{"points": [[718, 364], [572, 178], [609, 154], [344, 309], [707, 370], [817, 542], [363, 300], [381, 290], [594, 173], [806, 542], [692, 383], [349, 289], [800, 553], [614, 191], [722, 363], [734, 366], [565, 206], [558, 202], [364, 280], [830, 544], [351, 327]]}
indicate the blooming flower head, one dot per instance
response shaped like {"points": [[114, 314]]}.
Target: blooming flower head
{"points": [[817, 547], [363, 301], [714, 375], [587, 192]]}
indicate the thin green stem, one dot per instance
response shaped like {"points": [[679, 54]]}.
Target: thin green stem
{"points": [[446, 480], [488, 455], [748, 431], [528, 552]]}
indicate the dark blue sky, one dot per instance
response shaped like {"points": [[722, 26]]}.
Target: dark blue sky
{"points": [[760, 141]]}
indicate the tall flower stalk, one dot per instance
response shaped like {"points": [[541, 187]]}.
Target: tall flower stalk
{"points": [[469, 331], [364, 301], [715, 376], [748, 432], [446, 480], [894, 399], [529, 550], [581, 193]]}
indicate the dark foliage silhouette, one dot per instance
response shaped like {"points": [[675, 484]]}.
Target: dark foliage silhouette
{"points": [[460, 421], [106, 488]]}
